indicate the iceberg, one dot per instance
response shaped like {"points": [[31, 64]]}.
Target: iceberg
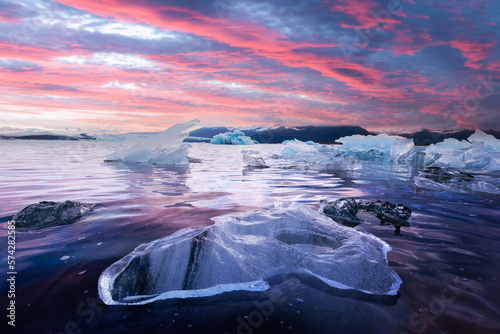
{"points": [[368, 147], [164, 148], [245, 253], [484, 187], [491, 143], [233, 138], [47, 214], [319, 157], [479, 154], [446, 146], [383, 142], [402, 149]]}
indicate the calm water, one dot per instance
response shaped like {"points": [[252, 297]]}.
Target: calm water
{"points": [[448, 259]]}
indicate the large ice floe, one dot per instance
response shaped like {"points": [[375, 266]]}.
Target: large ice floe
{"points": [[244, 253], [47, 214], [164, 148], [462, 166], [233, 138], [317, 156], [367, 147], [480, 153]]}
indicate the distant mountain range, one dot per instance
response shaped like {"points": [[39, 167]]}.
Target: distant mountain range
{"points": [[324, 134], [319, 134], [269, 135]]}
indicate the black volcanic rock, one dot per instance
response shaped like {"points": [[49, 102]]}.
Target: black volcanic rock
{"points": [[344, 211], [45, 214]]}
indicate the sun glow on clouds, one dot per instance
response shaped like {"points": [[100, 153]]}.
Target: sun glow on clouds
{"points": [[147, 65]]}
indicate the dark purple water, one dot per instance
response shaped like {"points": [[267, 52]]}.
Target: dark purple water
{"points": [[448, 259]]}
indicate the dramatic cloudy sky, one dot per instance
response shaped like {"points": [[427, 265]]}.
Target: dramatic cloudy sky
{"points": [[147, 64]]}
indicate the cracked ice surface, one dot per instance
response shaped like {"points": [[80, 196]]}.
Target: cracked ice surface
{"points": [[244, 253]]}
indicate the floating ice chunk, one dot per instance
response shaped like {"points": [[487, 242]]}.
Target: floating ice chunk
{"points": [[484, 187], [453, 159], [369, 147], [319, 157], [473, 158], [494, 164], [446, 146], [383, 142], [253, 161], [293, 147], [309, 142], [491, 143], [443, 179], [168, 156], [164, 148], [402, 149], [233, 138], [244, 253], [45, 214], [337, 163]]}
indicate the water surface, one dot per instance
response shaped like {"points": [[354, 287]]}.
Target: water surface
{"points": [[448, 259]]}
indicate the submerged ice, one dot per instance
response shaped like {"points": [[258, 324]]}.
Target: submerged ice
{"points": [[164, 148], [244, 253], [46, 214]]}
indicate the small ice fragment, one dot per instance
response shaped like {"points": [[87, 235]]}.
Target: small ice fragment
{"points": [[64, 258], [82, 272], [253, 161], [81, 238], [484, 187], [99, 243]]}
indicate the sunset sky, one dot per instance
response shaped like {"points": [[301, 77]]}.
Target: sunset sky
{"points": [[143, 65]]}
